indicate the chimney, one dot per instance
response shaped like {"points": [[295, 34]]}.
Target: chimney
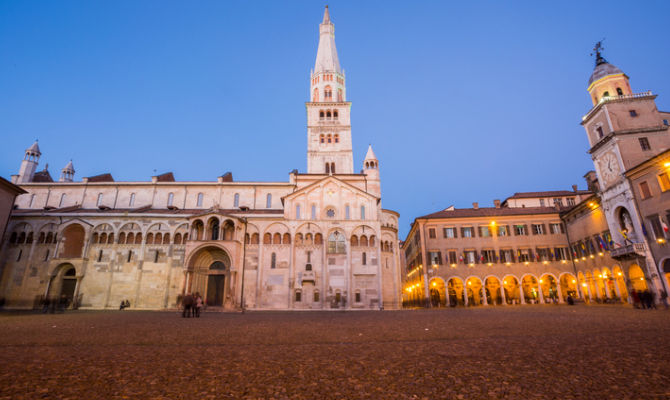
{"points": [[475, 206], [574, 188], [496, 203]]}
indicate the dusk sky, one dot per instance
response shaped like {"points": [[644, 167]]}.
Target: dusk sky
{"points": [[462, 101]]}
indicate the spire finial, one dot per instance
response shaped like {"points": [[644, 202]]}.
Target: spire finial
{"points": [[326, 16], [598, 52]]}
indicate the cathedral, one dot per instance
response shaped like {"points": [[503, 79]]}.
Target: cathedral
{"points": [[320, 240]]}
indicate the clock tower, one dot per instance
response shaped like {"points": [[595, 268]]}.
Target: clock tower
{"points": [[624, 129]]}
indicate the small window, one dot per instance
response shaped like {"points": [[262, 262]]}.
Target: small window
{"points": [[297, 211], [130, 256], [538, 229], [170, 199], [298, 296], [503, 230], [358, 297], [273, 261], [362, 212], [199, 202], [555, 228], [571, 201], [520, 230], [316, 296], [644, 143], [100, 256], [268, 201], [156, 256], [619, 91], [449, 233], [632, 113], [347, 212], [664, 181], [131, 202], [644, 190], [313, 211], [467, 232], [665, 122], [484, 231], [236, 200], [330, 213], [321, 114], [99, 202], [335, 114], [431, 233], [606, 94], [558, 202], [327, 168], [541, 202], [364, 259], [600, 132]]}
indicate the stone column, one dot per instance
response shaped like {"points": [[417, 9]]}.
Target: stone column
{"points": [[561, 298], [522, 299], [502, 295], [540, 292], [482, 291], [465, 294]]}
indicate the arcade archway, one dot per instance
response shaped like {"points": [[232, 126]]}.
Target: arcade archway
{"points": [[209, 275]]}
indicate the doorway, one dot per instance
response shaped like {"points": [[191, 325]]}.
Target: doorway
{"points": [[215, 287]]}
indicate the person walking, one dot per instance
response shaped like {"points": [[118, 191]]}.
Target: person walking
{"points": [[636, 298], [187, 302], [198, 304], [664, 298]]}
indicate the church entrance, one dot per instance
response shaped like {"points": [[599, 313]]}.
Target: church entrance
{"points": [[215, 284], [209, 275]]}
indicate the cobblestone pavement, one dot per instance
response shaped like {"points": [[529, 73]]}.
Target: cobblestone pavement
{"points": [[522, 352]]}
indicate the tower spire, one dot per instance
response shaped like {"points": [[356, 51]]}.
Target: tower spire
{"points": [[326, 16], [326, 55]]}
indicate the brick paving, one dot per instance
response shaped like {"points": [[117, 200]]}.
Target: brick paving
{"points": [[522, 352]]}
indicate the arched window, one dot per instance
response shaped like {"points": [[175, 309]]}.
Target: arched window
{"points": [[131, 202], [276, 238], [170, 199], [267, 238], [364, 259], [62, 200], [150, 238], [99, 202], [337, 138], [298, 296], [286, 239], [297, 211], [347, 212], [335, 114], [336, 243], [214, 229], [328, 93], [328, 114], [332, 168], [606, 94], [318, 239], [254, 238], [619, 91], [177, 238], [362, 212], [364, 241], [316, 296], [321, 114], [199, 201], [354, 241], [268, 201], [273, 261], [236, 200], [339, 94], [327, 168], [313, 211], [322, 138], [330, 138], [315, 96]]}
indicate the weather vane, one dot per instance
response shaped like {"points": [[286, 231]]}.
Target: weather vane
{"points": [[598, 52]]}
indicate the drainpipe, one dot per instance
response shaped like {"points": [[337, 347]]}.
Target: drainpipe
{"points": [[244, 261], [574, 266]]}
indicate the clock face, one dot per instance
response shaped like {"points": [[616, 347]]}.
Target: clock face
{"points": [[609, 167]]}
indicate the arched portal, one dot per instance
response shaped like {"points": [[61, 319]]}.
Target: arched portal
{"points": [[591, 286], [63, 284], [73, 241], [584, 286], [637, 280], [455, 291], [474, 288], [549, 288], [666, 271], [512, 291], [568, 285], [438, 294], [620, 282], [492, 288], [209, 274], [531, 291]]}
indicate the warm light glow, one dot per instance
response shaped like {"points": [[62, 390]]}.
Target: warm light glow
{"points": [[619, 273], [584, 284], [600, 254], [434, 284], [563, 261], [526, 263], [667, 165], [508, 263], [469, 283], [641, 279], [545, 262], [504, 282], [453, 265], [540, 280], [660, 240], [471, 265], [600, 276], [489, 264], [584, 258], [592, 256], [574, 281], [493, 223]]}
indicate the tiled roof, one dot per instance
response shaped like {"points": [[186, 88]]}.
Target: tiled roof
{"points": [[141, 210], [101, 178], [42, 176], [550, 193], [166, 177], [490, 212]]}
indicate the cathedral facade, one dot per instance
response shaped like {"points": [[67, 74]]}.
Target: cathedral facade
{"points": [[320, 240]]}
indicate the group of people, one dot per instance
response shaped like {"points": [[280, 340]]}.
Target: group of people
{"points": [[644, 299], [192, 304], [124, 304], [55, 304]]}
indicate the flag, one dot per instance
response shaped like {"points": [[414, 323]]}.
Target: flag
{"points": [[601, 243], [625, 236], [665, 227], [644, 230]]}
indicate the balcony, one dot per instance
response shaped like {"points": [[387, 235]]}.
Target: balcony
{"points": [[308, 276], [629, 251], [608, 99]]}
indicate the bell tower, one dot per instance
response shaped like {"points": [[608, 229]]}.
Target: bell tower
{"points": [[328, 113], [28, 165]]}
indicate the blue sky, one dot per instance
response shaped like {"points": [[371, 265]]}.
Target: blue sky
{"points": [[462, 101]]}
